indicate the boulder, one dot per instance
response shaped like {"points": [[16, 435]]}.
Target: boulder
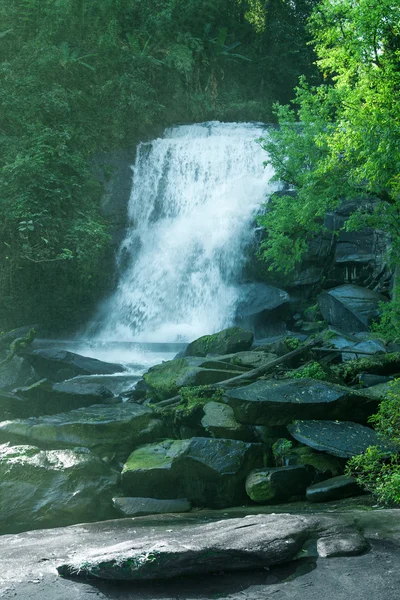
{"points": [[273, 403], [104, 429], [41, 489], [227, 341], [339, 438], [255, 298], [367, 346], [138, 507], [15, 372], [324, 464], [276, 484], [209, 472], [350, 307], [13, 407], [45, 398], [252, 358], [119, 383], [58, 365], [220, 422], [166, 379], [253, 542], [350, 544], [333, 489]]}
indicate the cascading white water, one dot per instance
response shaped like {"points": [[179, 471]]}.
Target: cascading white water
{"points": [[195, 193]]}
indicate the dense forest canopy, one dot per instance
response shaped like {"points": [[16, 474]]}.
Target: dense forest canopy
{"points": [[79, 77]]}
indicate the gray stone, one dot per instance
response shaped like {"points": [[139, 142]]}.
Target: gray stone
{"points": [[58, 365], [370, 380], [255, 542], [255, 298], [270, 402], [333, 489], [53, 488], [350, 307], [350, 544], [220, 422], [45, 398], [13, 407], [339, 438], [209, 472], [138, 507], [277, 484], [103, 429], [226, 341], [368, 346], [14, 373]]}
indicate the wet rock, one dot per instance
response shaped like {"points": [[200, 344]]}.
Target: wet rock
{"points": [[253, 542], [367, 346], [14, 373], [333, 489], [104, 429], [45, 398], [59, 365], [138, 507], [13, 407], [370, 380], [270, 402], [339, 438], [277, 484], [350, 307], [255, 298], [53, 488], [209, 472], [220, 422], [227, 341], [325, 465]]}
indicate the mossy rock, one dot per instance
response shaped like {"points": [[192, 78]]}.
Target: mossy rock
{"points": [[227, 341], [278, 484], [166, 379], [208, 472]]}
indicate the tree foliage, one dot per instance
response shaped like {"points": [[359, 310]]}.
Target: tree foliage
{"points": [[340, 139]]}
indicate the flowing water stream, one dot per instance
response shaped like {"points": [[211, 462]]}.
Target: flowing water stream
{"points": [[194, 197]]}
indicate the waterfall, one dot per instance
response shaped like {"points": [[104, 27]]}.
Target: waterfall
{"points": [[195, 193]]}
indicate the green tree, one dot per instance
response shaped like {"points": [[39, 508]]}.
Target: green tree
{"points": [[340, 140]]}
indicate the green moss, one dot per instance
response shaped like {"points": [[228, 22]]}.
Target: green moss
{"points": [[292, 343], [312, 371]]}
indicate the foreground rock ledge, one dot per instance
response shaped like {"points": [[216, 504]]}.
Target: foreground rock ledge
{"points": [[251, 542]]}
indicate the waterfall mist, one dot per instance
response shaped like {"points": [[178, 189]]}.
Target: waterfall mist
{"points": [[195, 193]]}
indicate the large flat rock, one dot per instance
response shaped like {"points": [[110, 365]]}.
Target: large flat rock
{"points": [[259, 541], [117, 429], [268, 402], [28, 564], [339, 438], [59, 365], [46, 398]]}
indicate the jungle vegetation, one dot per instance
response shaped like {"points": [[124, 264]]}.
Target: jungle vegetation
{"points": [[80, 77]]}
